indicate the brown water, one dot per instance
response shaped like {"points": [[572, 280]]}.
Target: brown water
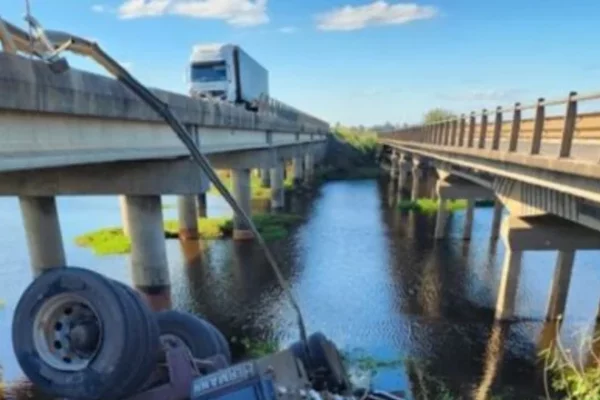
{"points": [[368, 276]]}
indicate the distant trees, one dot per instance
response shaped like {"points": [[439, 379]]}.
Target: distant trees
{"points": [[437, 114]]}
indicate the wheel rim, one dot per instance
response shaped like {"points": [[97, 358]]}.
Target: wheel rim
{"points": [[170, 341], [67, 332]]}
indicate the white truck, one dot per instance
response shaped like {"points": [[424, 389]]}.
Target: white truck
{"points": [[225, 72]]}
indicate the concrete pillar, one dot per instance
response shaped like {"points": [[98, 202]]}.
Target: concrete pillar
{"points": [[188, 219], [265, 177], [202, 205], [277, 190], [298, 168], [497, 219], [123, 208], [241, 191], [394, 164], [149, 267], [441, 219], [560, 285], [44, 238], [308, 167], [469, 213], [511, 271], [417, 177]]}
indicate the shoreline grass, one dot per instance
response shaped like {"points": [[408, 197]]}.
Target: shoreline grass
{"points": [[113, 241], [430, 206]]}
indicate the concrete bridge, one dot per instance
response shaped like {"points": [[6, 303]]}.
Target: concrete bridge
{"points": [[79, 133], [543, 170]]}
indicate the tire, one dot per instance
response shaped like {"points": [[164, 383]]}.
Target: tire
{"points": [[147, 333], [45, 315], [193, 332], [325, 357]]}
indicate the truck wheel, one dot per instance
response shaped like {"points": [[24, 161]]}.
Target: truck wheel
{"points": [[179, 329], [147, 333], [74, 335], [326, 361]]}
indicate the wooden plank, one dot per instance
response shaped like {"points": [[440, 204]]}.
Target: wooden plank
{"points": [[569, 129], [497, 129], [516, 126]]}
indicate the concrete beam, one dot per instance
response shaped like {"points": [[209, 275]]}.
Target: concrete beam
{"points": [[82, 93], [464, 190], [176, 176], [547, 233]]}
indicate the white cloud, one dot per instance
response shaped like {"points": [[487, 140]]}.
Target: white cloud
{"points": [[99, 8], [349, 18], [288, 29], [234, 12]]}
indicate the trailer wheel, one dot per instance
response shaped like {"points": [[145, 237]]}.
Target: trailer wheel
{"points": [[74, 335], [147, 333], [179, 329], [326, 361]]}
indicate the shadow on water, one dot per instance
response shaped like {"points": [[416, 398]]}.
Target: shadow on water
{"points": [[372, 278]]}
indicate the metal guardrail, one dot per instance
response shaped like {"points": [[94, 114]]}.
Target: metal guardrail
{"points": [[476, 131]]}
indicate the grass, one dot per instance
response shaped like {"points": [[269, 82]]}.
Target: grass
{"points": [[570, 376], [363, 141], [430, 206], [111, 241], [256, 348]]}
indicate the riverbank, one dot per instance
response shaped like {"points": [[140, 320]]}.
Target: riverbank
{"points": [[110, 241]]}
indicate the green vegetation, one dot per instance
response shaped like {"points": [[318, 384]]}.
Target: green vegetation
{"points": [[437, 115], [568, 375], [256, 348], [430, 206], [105, 241], [364, 141], [113, 241]]}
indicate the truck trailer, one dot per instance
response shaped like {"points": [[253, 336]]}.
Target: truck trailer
{"points": [[225, 72]]}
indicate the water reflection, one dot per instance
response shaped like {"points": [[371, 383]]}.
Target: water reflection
{"points": [[371, 277]]}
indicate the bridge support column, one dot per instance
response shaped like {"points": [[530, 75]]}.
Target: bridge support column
{"points": [[541, 233], [394, 164], [44, 238], [511, 272], [308, 167], [241, 191], [202, 205], [403, 171], [469, 214], [441, 219], [560, 285], [298, 170], [149, 267], [277, 190], [417, 177], [188, 220], [124, 219], [265, 177], [497, 219]]}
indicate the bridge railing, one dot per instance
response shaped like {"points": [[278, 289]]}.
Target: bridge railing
{"points": [[540, 133]]}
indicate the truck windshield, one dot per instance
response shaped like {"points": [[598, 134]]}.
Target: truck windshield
{"points": [[209, 72]]}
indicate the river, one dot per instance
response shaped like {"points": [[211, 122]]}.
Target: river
{"points": [[369, 276]]}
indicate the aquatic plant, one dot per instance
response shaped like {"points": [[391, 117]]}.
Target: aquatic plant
{"points": [[569, 375], [113, 241], [430, 206], [254, 348]]}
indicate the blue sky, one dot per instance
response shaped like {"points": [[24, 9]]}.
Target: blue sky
{"points": [[355, 61]]}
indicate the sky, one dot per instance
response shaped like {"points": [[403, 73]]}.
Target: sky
{"points": [[353, 61]]}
